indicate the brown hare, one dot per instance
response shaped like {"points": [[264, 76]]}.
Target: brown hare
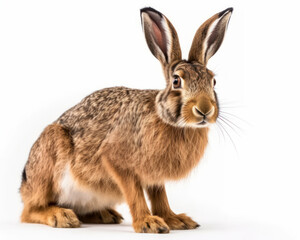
{"points": [[118, 141]]}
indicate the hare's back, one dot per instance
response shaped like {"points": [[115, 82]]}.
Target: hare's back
{"points": [[97, 113]]}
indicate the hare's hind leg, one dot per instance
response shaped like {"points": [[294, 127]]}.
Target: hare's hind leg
{"points": [[38, 189], [105, 216], [53, 216]]}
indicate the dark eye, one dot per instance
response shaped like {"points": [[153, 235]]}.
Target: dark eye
{"points": [[177, 82], [215, 82]]}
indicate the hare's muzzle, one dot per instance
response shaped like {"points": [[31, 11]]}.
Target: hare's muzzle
{"points": [[203, 110]]}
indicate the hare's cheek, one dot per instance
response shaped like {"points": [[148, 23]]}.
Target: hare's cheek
{"points": [[173, 105], [187, 113]]}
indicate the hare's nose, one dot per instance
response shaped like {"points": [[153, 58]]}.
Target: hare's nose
{"points": [[203, 113]]}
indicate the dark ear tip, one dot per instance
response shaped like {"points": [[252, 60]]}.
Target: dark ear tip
{"points": [[227, 10], [149, 9]]}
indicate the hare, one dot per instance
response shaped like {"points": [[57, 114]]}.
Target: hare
{"points": [[118, 142]]}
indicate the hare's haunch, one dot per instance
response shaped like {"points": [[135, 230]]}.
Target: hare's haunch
{"points": [[118, 141]]}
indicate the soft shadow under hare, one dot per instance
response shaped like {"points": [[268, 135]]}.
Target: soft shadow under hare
{"points": [[118, 141]]}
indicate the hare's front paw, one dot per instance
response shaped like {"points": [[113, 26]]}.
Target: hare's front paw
{"points": [[180, 222], [151, 224]]}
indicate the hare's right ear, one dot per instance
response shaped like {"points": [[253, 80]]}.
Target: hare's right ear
{"points": [[161, 36], [209, 37]]}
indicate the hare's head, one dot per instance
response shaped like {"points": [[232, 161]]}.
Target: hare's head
{"points": [[189, 98]]}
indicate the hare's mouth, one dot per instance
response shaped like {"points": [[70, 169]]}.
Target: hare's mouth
{"points": [[202, 123]]}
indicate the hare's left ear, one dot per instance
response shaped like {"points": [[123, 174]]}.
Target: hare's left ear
{"points": [[161, 36], [209, 37]]}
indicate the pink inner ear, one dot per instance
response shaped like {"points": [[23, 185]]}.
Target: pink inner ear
{"points": [[158, 37]]}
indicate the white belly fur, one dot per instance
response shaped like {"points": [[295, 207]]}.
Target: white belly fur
{"points": [[82, 199]]}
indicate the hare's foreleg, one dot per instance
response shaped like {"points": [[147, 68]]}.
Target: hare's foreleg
{"points": [[38, 189], [130, 185], [160, 207]]}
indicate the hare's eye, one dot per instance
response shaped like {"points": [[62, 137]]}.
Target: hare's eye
{"points": [[177, 82], [215, 82]]}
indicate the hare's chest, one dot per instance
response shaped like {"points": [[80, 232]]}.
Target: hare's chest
{"points": [[173, 162], [157, 154]]}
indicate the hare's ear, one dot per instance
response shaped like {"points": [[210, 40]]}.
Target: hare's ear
{"points": [[161, 36], [209, 37]]}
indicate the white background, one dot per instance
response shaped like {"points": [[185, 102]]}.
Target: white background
{"points": [[54, 53]]}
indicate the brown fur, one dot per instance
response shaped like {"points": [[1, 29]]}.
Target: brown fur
{"points": [[118, 141], [160, 207], [105, 216]]}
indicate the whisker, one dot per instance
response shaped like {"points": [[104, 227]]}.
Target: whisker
{"points": [[220, 129], [229, 137], [230, 107], [233, 115], [228, 124], [231, 122], [216, 129], [228, 102]]}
